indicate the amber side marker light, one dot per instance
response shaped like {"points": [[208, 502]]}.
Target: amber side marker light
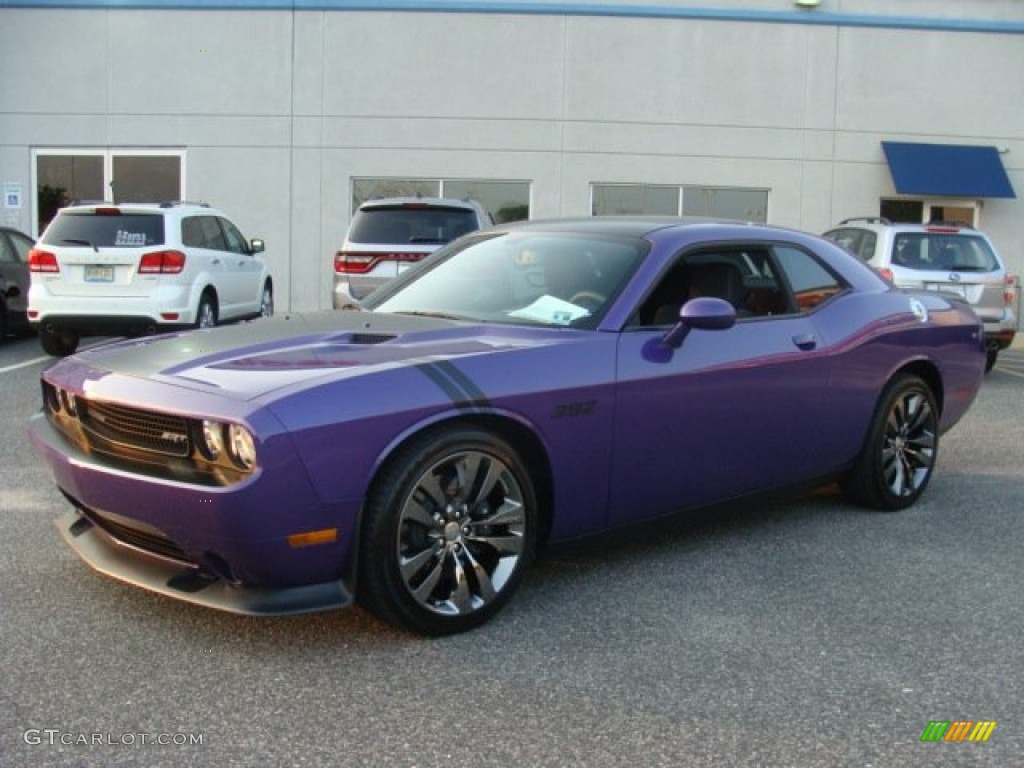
{"points": [[308, 539]]}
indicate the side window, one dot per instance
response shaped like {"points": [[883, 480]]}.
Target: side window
{"points": [[22, 245], [211, 234], [811, 284], [867, 245], [192, 232], [7, 254], [236, 243], [744, 277]]}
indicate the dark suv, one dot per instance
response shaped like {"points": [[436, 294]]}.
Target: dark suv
{"points": [[939, 256]]}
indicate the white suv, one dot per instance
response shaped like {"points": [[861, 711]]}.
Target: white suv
{"points": [[940, 256], [131, 268], [389, 234]]}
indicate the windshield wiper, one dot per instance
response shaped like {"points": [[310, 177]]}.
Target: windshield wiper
{"points": [[73, 241], [438, 315]]}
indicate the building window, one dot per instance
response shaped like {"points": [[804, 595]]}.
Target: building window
{"points": [[116, 175], [679, 200], [504, 200], [634, 200]]}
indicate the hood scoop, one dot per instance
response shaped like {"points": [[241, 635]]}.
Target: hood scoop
{"points": [[371, 338]]}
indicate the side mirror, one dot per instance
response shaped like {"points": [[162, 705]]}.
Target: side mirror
{"points": [[256, 245], [703, 314]]}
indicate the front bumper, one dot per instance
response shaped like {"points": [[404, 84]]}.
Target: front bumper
{"points": [[237, 548], [190, 582]]}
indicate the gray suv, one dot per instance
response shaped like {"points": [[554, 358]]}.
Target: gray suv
{"points": [[388, 235], [939, 256]]}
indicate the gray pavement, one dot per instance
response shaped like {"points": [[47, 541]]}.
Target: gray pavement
{"points": [[793, 633]]}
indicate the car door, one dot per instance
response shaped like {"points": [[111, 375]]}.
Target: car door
{"points": [[243, 271], [730, 411], [206, 245], [14, 248]]}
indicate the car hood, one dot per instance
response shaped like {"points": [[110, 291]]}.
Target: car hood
{"points": [[251, 359]]}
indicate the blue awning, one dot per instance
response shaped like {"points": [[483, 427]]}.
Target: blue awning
{"points": [[949, 170]]}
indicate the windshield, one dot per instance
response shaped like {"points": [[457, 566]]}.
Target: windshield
{"points": [[529, 278]]}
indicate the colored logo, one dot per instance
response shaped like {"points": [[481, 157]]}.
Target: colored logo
{"points": [[958, 730]]}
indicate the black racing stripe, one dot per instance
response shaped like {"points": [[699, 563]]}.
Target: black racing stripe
{"points": [[458, 387]]}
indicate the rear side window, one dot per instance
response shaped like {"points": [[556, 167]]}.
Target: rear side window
{"points": [[859, 242], [811, 283], [114, 230], [943, 251], [410, 224]]}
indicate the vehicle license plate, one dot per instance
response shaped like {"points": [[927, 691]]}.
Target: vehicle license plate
{"points": [[959, 290], [99, 273]]}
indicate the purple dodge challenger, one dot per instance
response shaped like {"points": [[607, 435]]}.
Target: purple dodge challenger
{"points": [[526, 384]]}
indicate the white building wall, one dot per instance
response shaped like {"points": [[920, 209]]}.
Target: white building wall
{"points": [[277, 110]]}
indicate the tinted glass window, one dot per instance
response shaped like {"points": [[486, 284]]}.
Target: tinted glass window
{"points": [[744, 277], [811, 284], [943, 251], [121, 230], [236, 243], [21, 244], [7, 253], [406, 224]]}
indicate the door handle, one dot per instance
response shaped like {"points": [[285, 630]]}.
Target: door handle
{"points": [[806, 341]]}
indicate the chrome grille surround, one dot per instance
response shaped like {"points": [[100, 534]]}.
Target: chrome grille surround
{"points": [[159, 433]]}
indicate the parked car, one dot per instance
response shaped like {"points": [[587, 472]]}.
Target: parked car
{"points": [[389, 234], [534, 382], [14, 280], [135, 268], [940, 256]]}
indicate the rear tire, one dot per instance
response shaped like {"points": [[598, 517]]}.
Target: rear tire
{"points": [[206, 315], [899, 455], [58, 344]]}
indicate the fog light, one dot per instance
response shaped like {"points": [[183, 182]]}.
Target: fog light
{"points": [[241, 446]]}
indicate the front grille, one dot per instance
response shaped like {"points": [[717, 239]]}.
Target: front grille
{"points": [[133, 428]]}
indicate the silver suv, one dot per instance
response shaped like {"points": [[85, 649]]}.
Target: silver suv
{"points": [[130, 268], [940, 256], [388, 235]]}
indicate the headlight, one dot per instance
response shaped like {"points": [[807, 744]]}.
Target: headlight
{"points": [[241, 446], [213, 439]]}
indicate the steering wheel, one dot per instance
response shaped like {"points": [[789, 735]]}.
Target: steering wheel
{"points": [[589, 300]]}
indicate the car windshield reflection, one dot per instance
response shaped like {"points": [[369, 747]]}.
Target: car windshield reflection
{"points": [[535, 279]]}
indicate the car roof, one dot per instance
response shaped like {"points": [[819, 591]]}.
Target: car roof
{"points": [[624, 226], [880, 224], [162, 207], [446, 202]]}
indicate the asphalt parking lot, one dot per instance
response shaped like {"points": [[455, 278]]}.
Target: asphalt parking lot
{"points": [[804, 632]]}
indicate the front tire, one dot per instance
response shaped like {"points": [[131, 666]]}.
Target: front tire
{"points": [[449, 528], [267, 301], [902, 446]]}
